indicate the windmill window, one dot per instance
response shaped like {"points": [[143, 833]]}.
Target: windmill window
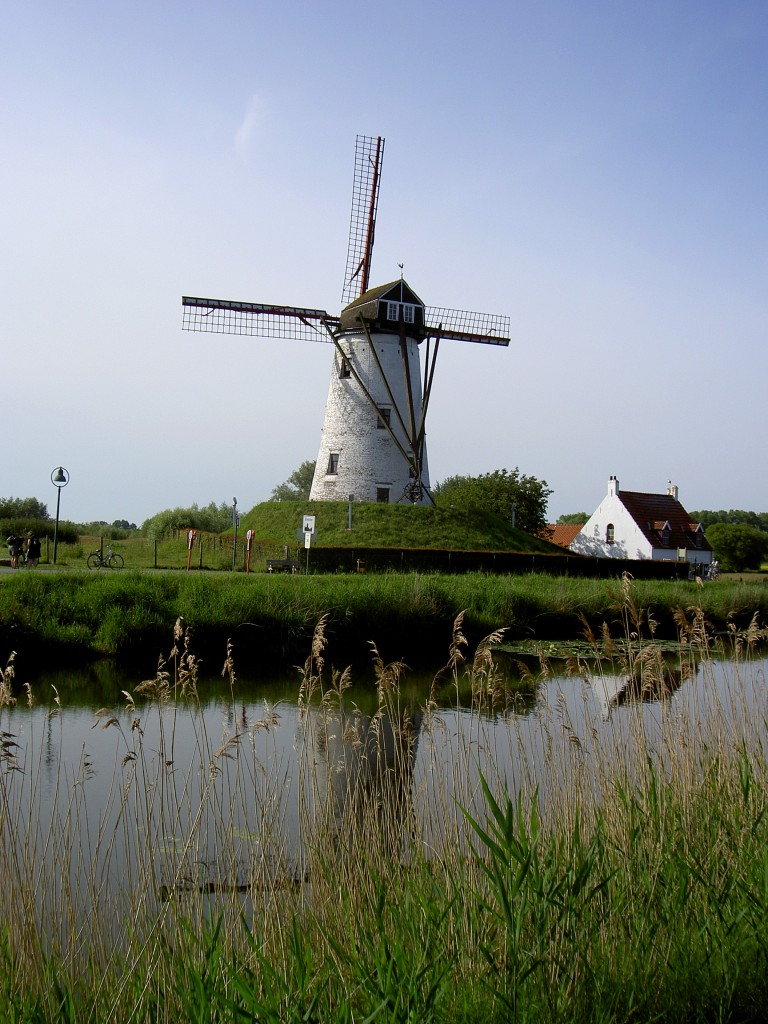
{"points": [[384, 418], [333, 464], [609, 534], [345, 370], [382, 495], [405, 309]]}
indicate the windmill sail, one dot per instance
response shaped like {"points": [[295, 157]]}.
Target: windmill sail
{"points": [[369, 155], [463, 325], [255, 319]]}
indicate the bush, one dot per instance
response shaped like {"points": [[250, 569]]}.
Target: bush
{"points": [[212, 518], [106, 531]]}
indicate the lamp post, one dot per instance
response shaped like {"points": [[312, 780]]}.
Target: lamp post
{"points": [[235, 521], [59, 479]]}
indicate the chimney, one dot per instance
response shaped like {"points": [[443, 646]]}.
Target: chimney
{"points": [[613, 486], [672, 490]]}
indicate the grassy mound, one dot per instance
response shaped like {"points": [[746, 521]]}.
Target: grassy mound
{"points": [[406, 526]]}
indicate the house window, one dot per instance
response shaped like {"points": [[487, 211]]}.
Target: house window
{"points": [[609, 534], [333, 464], [383, 419], [699, 538], [345, 370], [382, 495], [665, 538]]}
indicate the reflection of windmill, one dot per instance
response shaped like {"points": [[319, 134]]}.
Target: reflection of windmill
{"points": [[373, 439], [362, 773]]}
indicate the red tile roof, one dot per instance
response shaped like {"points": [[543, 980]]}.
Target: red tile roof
{"points": [[562, 533]]}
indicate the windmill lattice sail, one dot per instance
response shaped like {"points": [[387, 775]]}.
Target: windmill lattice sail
{"points": [[369, 156], [256, 319], [463, 325]]}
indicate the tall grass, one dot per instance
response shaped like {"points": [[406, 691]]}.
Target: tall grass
{"points": [[271, 618], [611, 873]]}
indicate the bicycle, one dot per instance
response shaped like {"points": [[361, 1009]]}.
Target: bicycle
{"points": [[112, 560]]}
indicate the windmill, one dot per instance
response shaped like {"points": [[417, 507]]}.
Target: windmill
{"points": [[373, 441]]}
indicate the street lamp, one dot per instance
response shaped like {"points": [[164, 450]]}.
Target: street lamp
{"points": [[59, 479], [235, 522]]}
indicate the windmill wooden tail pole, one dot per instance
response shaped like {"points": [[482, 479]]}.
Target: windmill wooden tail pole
{"points": [[373, 440]]}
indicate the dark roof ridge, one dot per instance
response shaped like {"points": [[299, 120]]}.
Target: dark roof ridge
{"points": [[381, 289]]}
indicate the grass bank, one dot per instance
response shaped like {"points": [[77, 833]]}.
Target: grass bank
{"points": [[275, 526], [270, 619], [636, 892], [379, 525]]}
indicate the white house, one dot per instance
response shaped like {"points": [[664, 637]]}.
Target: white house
{"points": [[632, 524]]}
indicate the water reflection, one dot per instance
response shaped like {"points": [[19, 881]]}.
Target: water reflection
{"points": [[239, 791], [363, 769], [97, 684], [640, 683]]}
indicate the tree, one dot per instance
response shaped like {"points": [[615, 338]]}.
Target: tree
{"points": [[738, 547], [573, 518], [297, 486], [516, 498], [23, 508]]}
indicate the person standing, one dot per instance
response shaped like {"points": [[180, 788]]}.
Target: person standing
{"points": [[15, 548], [33, 549]]}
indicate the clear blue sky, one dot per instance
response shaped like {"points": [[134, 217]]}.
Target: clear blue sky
{"points": [[595, 170]]}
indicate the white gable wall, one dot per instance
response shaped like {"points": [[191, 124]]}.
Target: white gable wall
{"points": [[629, 541]]}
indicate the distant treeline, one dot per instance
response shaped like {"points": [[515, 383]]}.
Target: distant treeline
{"points": [[733, 517], [67, 533]]}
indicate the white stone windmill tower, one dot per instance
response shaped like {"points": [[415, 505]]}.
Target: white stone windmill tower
{"points": [[373, 441]]}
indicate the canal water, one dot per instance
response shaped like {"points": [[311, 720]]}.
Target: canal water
{"points": [[107, 784]]}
